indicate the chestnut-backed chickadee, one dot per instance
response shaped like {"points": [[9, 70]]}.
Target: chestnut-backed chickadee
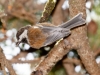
{"points": [[43, 34]]}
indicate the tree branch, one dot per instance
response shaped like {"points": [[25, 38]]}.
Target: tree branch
{"points": [[51, 59], [80, 40], [70, 69], [47, 10], [58, 11]]}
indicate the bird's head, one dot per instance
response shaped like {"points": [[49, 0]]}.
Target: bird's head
{"points": [[22, 35]]}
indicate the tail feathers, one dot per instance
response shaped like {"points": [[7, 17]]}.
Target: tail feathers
{"points": [[74, 22]]}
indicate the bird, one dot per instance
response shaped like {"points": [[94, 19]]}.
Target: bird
{"points": [[44, 34]]}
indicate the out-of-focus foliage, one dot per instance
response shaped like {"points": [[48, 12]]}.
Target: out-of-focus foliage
{"points": [[94, 25], [96, 6]]}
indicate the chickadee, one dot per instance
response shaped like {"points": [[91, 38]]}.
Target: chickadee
{"points": [[43, 34]]}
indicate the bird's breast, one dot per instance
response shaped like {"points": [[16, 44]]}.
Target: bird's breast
{"points": [[36, 37]]}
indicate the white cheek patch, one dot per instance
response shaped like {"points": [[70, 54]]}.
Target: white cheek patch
{"points": [[23, 35]]}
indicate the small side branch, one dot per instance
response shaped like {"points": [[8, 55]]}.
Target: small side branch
{"points": [[47, 10]]}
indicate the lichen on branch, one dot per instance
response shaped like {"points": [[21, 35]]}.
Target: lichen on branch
{"points": [[47, 10]]}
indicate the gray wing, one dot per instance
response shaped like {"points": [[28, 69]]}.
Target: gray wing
{"points": [[56, 35], [46, 29]]}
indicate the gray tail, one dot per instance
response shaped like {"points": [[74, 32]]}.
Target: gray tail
{"points": [[74, 22]]}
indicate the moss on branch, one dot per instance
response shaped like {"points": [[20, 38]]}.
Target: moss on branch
{"points": [[47, 10]]}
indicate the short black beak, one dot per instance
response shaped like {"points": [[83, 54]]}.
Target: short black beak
{"points": [[17, 43]]}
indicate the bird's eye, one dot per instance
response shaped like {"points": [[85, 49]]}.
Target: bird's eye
{"points": [[24, 40]]}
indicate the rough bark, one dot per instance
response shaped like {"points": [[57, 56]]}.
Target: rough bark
{"points": [[80, 40], [51, 59]]}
